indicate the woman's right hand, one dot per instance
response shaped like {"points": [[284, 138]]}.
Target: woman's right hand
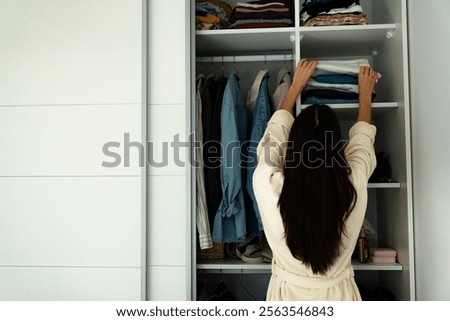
{"points": [[367, 79]]}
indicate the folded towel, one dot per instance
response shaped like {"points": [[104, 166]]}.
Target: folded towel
{"points": [[383, 259], [383, 252]]}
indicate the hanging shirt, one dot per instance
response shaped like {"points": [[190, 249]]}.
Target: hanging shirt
{"points": [[229, 223], [212, 152], [203, 228], [208, 95], [282, 87], [259, 95], [291, 279]]}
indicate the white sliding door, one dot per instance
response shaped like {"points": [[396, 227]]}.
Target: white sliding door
{"points": [[70, 82]]}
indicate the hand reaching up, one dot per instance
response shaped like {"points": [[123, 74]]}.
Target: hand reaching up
{"points": [[303, 73], [367, 79]]}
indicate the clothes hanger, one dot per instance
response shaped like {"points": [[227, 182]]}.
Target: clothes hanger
{"points": [[222, 293], [223, 67], [212, 74]]}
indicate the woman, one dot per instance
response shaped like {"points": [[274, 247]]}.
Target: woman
{"points": [[312, 193]]}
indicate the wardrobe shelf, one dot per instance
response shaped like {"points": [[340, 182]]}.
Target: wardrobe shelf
{"points": [[365, 40], [383, 185], [229, 42], [232, 264], [229, 265], [350, 111], [376, 266]]}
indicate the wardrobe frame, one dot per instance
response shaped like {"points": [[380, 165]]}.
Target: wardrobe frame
{"points": [[388, 33]]}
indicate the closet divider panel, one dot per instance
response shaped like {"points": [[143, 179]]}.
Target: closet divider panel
{"points": [[168, 178]]}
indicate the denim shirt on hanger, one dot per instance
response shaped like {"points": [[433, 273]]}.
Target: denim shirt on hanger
{"points": [[261, 116], [229, 223]]}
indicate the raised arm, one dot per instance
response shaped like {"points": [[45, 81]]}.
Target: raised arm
{"points": [[303, 72], [366, 83]]}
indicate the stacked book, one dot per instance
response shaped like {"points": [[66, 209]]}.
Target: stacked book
{"points": [[383, 255]]}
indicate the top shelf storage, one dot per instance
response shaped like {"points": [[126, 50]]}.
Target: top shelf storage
{"points": [[244, 41], [344, 40]]}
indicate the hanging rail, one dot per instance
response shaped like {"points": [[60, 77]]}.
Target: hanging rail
{"points": [[249, 58]]}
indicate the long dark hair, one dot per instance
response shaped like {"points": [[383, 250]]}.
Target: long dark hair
{"points": [[317, 195]]}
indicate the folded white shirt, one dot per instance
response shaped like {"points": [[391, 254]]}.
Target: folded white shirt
{"points": [[346, 67]]}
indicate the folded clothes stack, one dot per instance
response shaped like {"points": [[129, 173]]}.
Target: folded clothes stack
{"points": [[331, 13], [334, 82], [212, 14], [262, 14], [383, 255]]}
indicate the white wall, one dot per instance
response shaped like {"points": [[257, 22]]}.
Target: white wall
{"points": [[70, 81], [429, 30], [167, 198]]}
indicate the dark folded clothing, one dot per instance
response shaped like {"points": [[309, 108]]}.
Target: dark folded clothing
{"points": [[330, 94], [262, 25], [337, 79], [286, 2], [275, 8], [313, 8], [313, 100], [260, 15], [314, 3]]}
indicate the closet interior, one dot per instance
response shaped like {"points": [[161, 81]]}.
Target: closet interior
{"points": [[383, 42]]}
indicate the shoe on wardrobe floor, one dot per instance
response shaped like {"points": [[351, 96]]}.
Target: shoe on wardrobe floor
{"points": [[267, 254], [250, 251]]}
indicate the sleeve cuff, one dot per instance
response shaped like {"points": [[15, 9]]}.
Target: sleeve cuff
{"points": [[282, 117], [205, 242]]}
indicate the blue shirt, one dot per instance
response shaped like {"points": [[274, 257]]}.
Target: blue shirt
{"points": [[261, 116], [229, 222]]}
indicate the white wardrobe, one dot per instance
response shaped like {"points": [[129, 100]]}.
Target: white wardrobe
{"points": [[73, 75], [384, 43]]}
